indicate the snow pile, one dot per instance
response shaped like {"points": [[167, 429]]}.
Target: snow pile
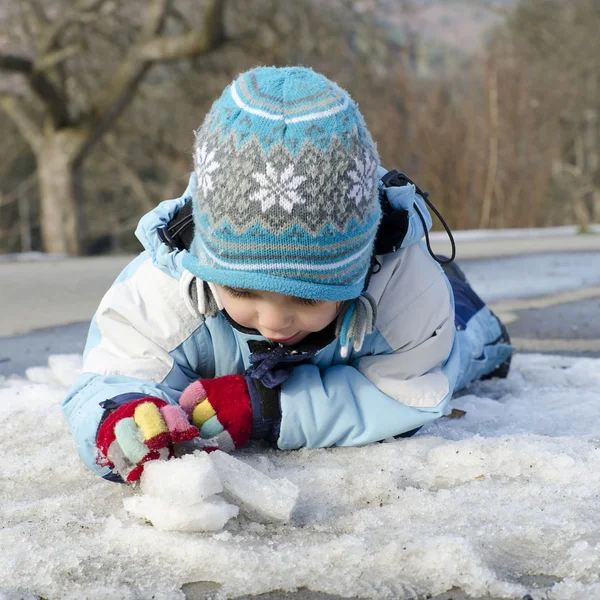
{"points": [[182, 494], [495, 503], [62, 371], [259, 497]]}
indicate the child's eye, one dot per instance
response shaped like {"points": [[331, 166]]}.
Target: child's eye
{"points": [[309, 301], [239, 293]]}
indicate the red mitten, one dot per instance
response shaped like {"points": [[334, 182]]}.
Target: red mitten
{"points": [[139, 431], [220, 408]]}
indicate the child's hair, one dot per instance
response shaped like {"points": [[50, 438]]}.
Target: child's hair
{"points": [[286, 194]]}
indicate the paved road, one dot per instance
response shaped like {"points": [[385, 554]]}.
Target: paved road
{"points": [[517, 242], [44, 293], [559, 323]]}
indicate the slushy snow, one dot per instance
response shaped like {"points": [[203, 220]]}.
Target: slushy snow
{"points": [[486, 502]]}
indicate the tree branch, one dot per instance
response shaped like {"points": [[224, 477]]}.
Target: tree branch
{"points": [[155, 18], [84, 11], [52, 59], [52, 98], [166, 48], [15, 64], [129, 175], [149, 50], [43, 87], [177, 15], [33, 17], [28, 128]]}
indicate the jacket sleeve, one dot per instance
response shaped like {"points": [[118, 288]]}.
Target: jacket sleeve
{"points": [[403, 379], [139, 344]]}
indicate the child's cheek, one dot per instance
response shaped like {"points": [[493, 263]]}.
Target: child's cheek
{"points": [[241, 313], [319, 320]]}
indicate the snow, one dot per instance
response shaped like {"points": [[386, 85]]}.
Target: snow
{"points": [[259, 497], [481, 503], [182, 494], [187, 480], [210, 514]]}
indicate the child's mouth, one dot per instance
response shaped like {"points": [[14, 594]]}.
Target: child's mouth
{"points": [[284, 340]]}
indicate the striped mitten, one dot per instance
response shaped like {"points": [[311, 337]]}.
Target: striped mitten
{"points": [[139, 431], [220, 408]]}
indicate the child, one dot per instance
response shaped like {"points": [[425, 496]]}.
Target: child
{"points": [[289, 311]]}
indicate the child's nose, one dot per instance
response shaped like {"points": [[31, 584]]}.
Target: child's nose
{"points": [[274, 319]]}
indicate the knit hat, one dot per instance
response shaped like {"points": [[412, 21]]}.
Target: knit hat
{"points": [[286, 196]]}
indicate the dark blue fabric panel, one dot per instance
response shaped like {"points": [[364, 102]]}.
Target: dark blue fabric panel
{"points": [[407, 434], [113, 477], [466, 302], [121, 399]]}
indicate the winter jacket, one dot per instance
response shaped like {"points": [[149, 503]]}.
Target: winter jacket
{"points": [[148, 338]]}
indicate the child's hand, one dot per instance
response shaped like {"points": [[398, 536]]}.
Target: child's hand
{"points": [[220, 408], [139, 431]]}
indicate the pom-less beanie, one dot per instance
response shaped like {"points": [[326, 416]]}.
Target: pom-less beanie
{"points": [[286, 196]]}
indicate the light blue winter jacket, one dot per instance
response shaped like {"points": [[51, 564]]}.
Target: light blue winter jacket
{"points": [[148, 337]]}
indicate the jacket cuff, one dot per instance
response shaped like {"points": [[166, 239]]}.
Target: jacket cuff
{"points": [[266, 411]]}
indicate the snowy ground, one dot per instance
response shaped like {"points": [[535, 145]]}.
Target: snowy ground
{"points": [[480, 503], [493, 503]]}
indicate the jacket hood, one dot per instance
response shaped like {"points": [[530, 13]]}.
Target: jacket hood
{"points": [[166, 259]]}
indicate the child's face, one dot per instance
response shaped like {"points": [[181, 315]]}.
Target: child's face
{"points": [[279, 318]]}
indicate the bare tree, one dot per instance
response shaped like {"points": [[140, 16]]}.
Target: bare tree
{"points": [[61, 121]]}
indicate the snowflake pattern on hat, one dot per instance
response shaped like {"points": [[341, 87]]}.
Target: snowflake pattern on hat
{"points": [[362, 179], [278, 188], [205, 166]]}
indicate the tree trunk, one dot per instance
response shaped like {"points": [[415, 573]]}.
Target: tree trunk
{"points": [[492, 166], [59, 206]]}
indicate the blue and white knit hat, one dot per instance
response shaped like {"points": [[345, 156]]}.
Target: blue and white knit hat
{"points": [[286, 195]]}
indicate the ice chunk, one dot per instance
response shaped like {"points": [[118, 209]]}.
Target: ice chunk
{"points": [[210, 514], [62, 371], [259, 497], [42, 375], [66, 368], [187, 480]]}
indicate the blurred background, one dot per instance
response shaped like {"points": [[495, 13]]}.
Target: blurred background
{"points": [[490, 105]]}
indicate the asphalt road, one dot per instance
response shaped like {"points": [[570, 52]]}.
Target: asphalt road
{"points": [[36, 294]]}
